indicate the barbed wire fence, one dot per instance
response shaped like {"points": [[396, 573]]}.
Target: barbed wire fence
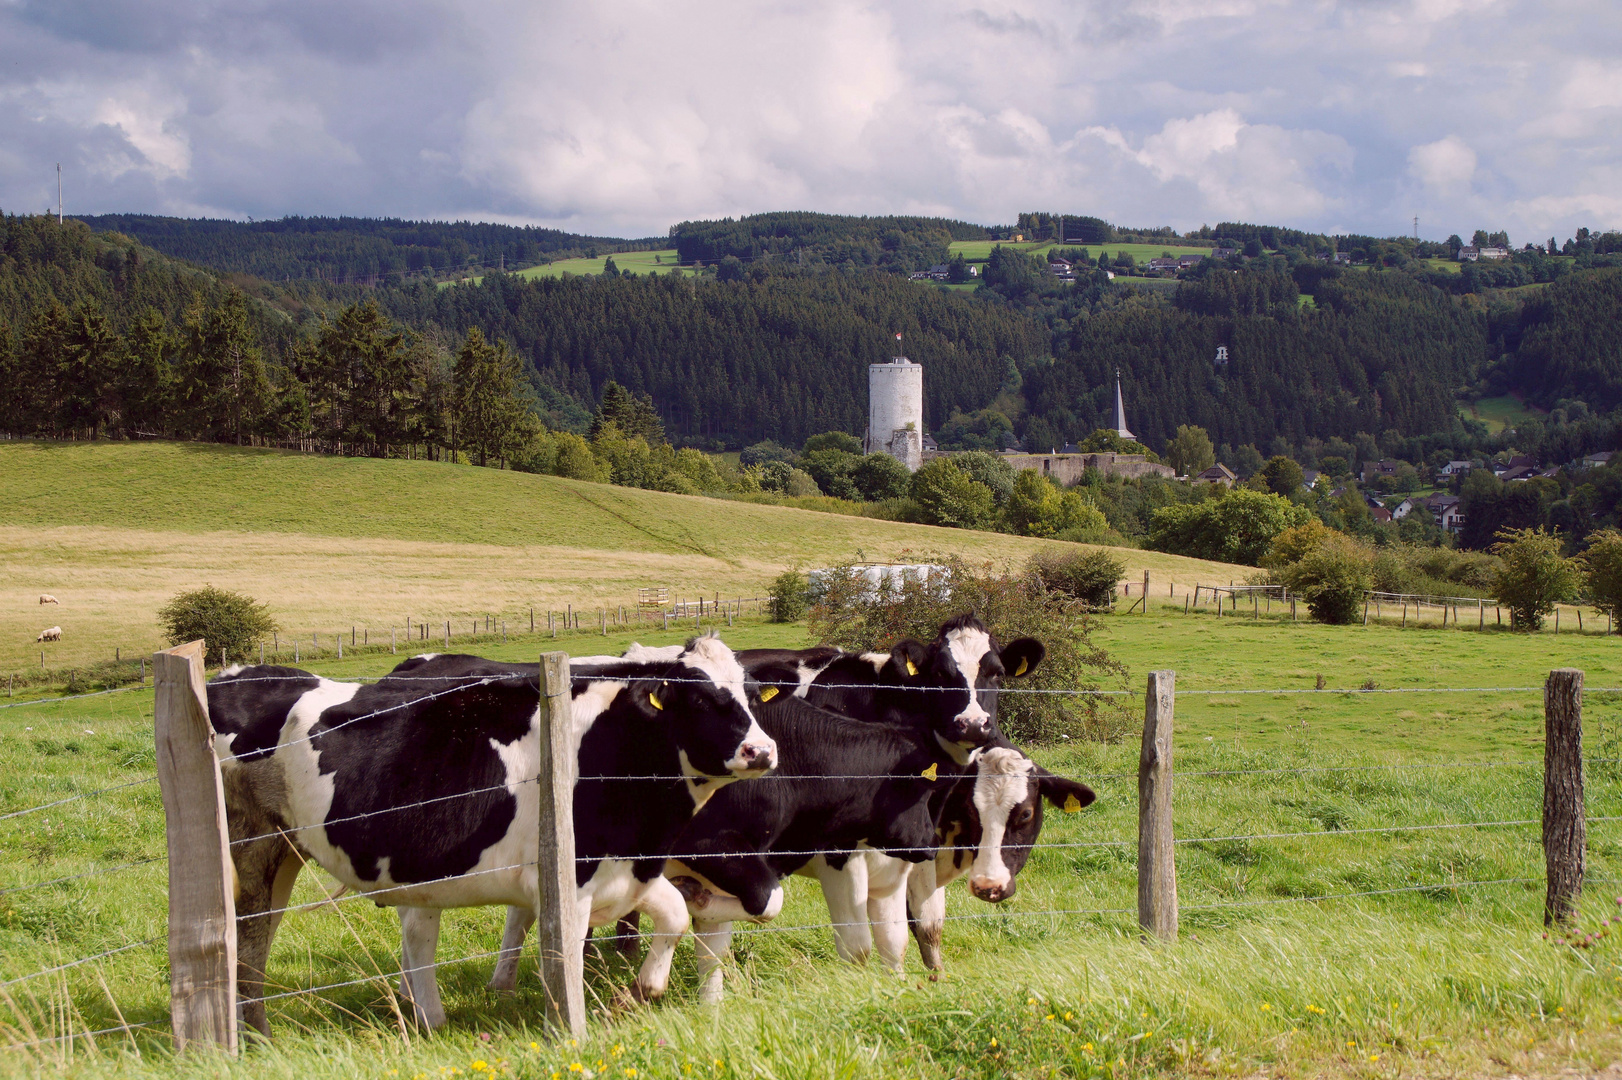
{"points": [[201, 938]]}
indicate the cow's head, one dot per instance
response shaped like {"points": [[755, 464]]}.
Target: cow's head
{"points": [[703, 701], [1003, 817], [960, 672]]}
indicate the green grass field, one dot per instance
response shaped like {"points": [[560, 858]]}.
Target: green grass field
{"points": [[637, 262], [1500, 412], [113, 530], [1432, 976]]}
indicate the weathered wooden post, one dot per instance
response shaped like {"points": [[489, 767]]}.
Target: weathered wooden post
{"points": [[393, 647], [557, 935], [1565, 823], [1157, 865], [202, 907], [1146, 592]]}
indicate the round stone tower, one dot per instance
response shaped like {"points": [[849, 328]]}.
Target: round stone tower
{"points": [[895, 417]]}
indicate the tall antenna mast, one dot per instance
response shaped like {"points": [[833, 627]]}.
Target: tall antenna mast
{"points": [[59, 193], [1416, 226]]}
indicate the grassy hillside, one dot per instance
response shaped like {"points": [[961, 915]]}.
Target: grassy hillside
{"points": [[980, 250], [114, 529], [1500, 412]]}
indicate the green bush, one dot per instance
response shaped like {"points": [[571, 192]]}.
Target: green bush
{"points": [[946, 495], [852, 614], [1604, 564], [833, 440], [1330, 575], [879, 477], [1088, 576], [788, 594], [228, 622], [1534, 576], [1237, 528]]}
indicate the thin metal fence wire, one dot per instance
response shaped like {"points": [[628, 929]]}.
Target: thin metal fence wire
{"points": [[82, 960], [70, 697], [84, 1034], [381, 977], [484, 681], [76, 798], [80, 877]]}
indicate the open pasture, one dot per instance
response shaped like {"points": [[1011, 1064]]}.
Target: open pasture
{"points": [[1436, 966], [114, 530], [1500, 412], [637, 262]]}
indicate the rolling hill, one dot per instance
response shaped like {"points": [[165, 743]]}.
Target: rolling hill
{"points": [[114, 529]]}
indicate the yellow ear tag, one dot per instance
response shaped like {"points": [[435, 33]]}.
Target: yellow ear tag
{"points": [[768, 693], [912, 669], [929, 773], [1024, 666], [1072, 805], [653, 699]]}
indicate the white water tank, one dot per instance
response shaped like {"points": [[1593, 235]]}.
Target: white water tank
{"points": [[895, 414]]}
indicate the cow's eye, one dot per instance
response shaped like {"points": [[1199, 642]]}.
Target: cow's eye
{"points": [[1024, 816]]}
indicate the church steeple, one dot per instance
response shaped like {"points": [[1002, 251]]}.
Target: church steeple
{"points": [[1120, 411]]}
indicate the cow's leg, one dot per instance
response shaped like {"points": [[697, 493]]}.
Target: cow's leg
{"points": [[926, 903], [419, 940], [667, 909], [628, 934], [265, 871], [845, 890], [711, 942], [505, 978], [887, 912]]}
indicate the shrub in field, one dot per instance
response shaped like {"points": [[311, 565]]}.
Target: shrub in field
{"points": [[851, 613], [788, 594], [1087, 576], [228, 622], [946, 495], [1236, 528], [1534, 576], [1330, 570], [879, 477], [1603, 561]]}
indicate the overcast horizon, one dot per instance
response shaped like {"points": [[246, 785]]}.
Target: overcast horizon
{"points": [[627, 118]]}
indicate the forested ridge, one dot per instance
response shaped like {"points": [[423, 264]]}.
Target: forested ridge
{"points": [[355, 250], [779, 350], [896, 243]]}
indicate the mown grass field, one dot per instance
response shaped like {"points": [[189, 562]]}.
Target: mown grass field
{"points": [[1432, 976], [637, 262], [1500, 412], [114, 530]]}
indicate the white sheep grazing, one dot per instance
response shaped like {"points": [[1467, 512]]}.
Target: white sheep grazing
{"points": [[47, 598], [52, 634]]}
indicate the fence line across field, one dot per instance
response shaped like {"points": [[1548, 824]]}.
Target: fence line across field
{"points": [[202, 962]]}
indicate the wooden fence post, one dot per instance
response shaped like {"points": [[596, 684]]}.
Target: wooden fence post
{"points": [[1157, 865], [202, 906], [558, 937], [1565, 824], [1146, 592]]}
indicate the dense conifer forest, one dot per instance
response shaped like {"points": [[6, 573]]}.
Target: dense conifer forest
{"points": [[355, 250], [101, 336]]}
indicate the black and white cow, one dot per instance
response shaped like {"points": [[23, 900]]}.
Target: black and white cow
{"points": [[948, 686], [930, 685], [413, 790]]}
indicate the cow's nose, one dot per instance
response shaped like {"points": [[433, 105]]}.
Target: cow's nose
{"points": [[757, 756], [989, 890], [973, 728]]}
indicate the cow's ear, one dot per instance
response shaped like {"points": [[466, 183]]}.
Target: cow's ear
{"points": [[650, 697], [1068, 795], [908, 656], [1020, 656]]}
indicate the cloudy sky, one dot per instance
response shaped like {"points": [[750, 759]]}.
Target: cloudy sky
{"points": [[621, 118]]}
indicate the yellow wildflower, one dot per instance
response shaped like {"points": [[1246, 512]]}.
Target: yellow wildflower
{"points": [[480, 1065], [575, 1066], [993, 1042], [630, 1072]]}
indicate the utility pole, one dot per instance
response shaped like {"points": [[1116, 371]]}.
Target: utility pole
{"points": [[59, 193], [1416, 226]]}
